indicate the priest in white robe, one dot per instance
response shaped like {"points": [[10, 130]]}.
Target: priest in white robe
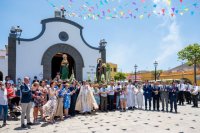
{"points": [[86, 102], [130, 96]]}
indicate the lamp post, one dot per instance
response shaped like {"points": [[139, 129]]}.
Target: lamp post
{"points": [[195, 69], [17, 31], [135, 71], [182, 69], [155, 65], [102, 46]]}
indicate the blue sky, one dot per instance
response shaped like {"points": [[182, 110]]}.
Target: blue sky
{"points": [[130, 41]]}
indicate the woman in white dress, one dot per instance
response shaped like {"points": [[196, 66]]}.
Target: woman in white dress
{"points": [[140, 96], [50, 107]]}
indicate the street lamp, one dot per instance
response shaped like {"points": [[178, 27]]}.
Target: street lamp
{"points": [[155, 65], [17, 31], [102, 46], [195, 69], [182, 69], [102, 49], [135, 71], [103, 43]]}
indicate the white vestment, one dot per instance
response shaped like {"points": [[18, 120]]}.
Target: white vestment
{"points": [[130, 96], [86, 101], [86, 107], [140, 98]]}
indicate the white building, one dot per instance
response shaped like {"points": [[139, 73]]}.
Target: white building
{"points": [[3, 64], [41, 56]]}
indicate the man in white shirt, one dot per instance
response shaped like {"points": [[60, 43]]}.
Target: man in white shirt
{"points": [[187, 93], [181, 93], [103, 93], [195, 93], [3, 103], [111, 93]]}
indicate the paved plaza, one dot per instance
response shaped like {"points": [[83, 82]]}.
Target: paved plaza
{"points": [[138, 121]]}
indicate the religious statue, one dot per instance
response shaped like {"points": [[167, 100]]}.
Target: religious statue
{"points": [[64, 69], [99, 70], [103, 72]]}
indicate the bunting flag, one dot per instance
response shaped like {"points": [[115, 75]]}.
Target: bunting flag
{"points": [[129, 9]]}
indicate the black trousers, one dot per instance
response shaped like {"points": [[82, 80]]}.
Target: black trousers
{"points": [[173, 103], [111, 102], [147, 100], [181, 97], [156, 103], [72, 111], [188, 97], [195, 100]]}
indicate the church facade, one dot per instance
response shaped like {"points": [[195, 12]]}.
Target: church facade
{"points": [[41, 56]]}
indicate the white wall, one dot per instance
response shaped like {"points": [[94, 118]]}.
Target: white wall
{"points": [[29, 54], [4, 66]]}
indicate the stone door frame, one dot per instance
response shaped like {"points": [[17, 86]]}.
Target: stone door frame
{"points": [[62, 48]]}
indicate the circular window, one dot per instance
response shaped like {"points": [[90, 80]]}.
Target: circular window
{"points": [[63, 36]]}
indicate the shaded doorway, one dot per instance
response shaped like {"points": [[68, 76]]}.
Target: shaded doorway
{"points": [[1, 76], [56, 63]]}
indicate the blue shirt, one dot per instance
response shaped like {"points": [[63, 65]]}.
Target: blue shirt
{"points": [[61, 92], [173, 92], [147, 90], [26, 94]]}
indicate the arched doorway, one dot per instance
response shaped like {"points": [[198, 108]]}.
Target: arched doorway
{"points": [[62, 48], [1, 76], [56, 62]]}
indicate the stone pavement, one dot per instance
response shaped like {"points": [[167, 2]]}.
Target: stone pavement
{"points": [[138, 121]]}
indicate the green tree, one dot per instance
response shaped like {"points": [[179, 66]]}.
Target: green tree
{"points": [[120, 76], [191, 54]]}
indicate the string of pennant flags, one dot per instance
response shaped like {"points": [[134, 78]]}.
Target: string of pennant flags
{"points": [[126, 9]]}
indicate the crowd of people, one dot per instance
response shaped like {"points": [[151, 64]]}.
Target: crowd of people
{"points": [[60, 100]]}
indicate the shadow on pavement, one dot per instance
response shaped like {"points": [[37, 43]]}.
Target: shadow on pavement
{"points": [[19, 128], [44, 124]]}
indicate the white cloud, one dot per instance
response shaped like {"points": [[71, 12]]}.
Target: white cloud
{"points": [[126, 55], [170, 44]]}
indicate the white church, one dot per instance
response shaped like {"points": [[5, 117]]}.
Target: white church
{"points": [[41, 56], [3, 64]]}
